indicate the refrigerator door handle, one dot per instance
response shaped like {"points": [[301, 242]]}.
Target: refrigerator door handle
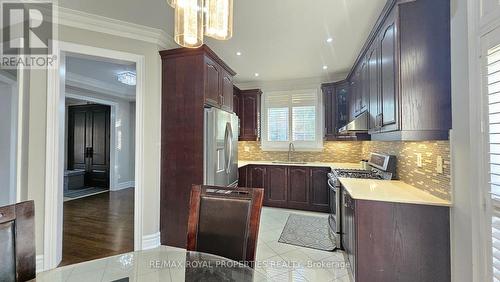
{"points": [[229, 147]]}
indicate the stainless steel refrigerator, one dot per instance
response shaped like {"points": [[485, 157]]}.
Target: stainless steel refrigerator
{"points": [[221, 148]]}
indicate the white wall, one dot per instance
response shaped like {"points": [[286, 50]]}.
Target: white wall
{"points": [[151, 125], [8, 126]]}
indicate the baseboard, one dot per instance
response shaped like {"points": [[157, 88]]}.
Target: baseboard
{"points": [[123, 185], [150, 241], [39, 264]]}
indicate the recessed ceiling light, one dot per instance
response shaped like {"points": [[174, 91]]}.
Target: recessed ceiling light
{"points": [[325, 67], [238, 53], [257, 74], [329, 39]]}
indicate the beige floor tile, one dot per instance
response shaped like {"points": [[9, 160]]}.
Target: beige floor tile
{"points": [[281, 248], [264, 252], [291, 276]]}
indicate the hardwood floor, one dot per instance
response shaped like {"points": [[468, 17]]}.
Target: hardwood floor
{"points": [[98, 226]]}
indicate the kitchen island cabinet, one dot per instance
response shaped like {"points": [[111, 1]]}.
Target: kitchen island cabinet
{"points": [[395, 241]]}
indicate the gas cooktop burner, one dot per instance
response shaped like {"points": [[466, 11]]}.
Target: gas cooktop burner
{"points": [[357, 173]]}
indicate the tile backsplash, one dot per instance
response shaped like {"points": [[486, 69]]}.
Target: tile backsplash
{"points": [[425, 177], [333, 152]]}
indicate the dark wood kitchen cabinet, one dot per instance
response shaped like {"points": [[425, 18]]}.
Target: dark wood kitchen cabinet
{"points": [[335, 100], [294, 187], [319, 199], [191, 80], [403, 74], [250, 116], [276, 186], [387, 241], [298, 187]]}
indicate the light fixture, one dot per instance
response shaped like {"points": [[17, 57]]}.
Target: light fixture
{"points": [[189, 23], [219, 19], [256, 74], [127, 77], [172, 3], [238, 53], [329, 40], [325, 67]]}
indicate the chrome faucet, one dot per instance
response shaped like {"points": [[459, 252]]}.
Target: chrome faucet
{"points": [[291, 148]]}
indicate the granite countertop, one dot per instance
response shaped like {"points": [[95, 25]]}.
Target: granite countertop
{"points": [[308, 164], [389, 191]]}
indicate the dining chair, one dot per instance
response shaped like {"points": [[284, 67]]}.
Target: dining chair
{"points": [[225, 221], [17, 242]]}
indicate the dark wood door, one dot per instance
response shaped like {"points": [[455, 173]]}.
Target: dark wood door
{"points": [[342, 100], [276, 186], [329, 105], [227, 92], [389, 103], [88, 142], [212, 83], [364, 87], [298, 187], [373, 89], [319, 190]]}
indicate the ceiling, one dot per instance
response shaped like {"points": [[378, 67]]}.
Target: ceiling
{"points": [[98, 75], [279, 39]]}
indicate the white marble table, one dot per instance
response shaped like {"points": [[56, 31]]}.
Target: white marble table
{"points": [[160, 264]]}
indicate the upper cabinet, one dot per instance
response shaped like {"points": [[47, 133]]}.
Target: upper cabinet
{"points": [[248, 113], [218, 83], [403, 74], [335, 100]]}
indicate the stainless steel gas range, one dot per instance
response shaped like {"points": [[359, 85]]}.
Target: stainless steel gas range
{"points": [[380, 166]]}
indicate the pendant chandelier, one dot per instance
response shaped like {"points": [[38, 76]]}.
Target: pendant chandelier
{"points": [[195, 18]]}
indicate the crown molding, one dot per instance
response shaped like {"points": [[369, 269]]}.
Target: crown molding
{"points": [[290, 84], [92, 22], [83, 82]]}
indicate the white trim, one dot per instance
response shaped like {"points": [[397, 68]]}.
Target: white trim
{"points": [[81, 81], [21, 80], [55, 158], [151, 241], [82, 20], [123, 185], [39, 264]]}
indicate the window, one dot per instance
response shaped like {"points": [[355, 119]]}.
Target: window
{"points": [[292, 117]]}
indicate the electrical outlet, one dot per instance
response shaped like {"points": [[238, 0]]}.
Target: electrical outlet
{"points": [[419, 159], [439, 165], [247, 149]]}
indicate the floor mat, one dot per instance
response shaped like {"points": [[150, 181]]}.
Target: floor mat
{"points": [[308, 231]]}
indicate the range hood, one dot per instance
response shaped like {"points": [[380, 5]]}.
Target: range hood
{"points": [[358, 125]]}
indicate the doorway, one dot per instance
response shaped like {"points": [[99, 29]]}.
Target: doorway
{"points": [[99, 175], [8, 135]]}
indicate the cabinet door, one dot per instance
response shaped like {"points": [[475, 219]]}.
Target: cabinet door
{"points": [[212, 83], [227, 92], [276, 186], [248, 117], [256, 176], [365, 88], [298, 187], [319, 199], [342, 100], [389, 102], [352, 98], [330, 113], [242, 177], [374, 91]]}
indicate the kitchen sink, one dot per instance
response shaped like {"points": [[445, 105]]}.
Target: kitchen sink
{"points": [[282, 162]]}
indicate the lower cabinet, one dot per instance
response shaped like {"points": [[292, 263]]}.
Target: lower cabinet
{"points": [[276, 186], [386, 241], [294, 187]]}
